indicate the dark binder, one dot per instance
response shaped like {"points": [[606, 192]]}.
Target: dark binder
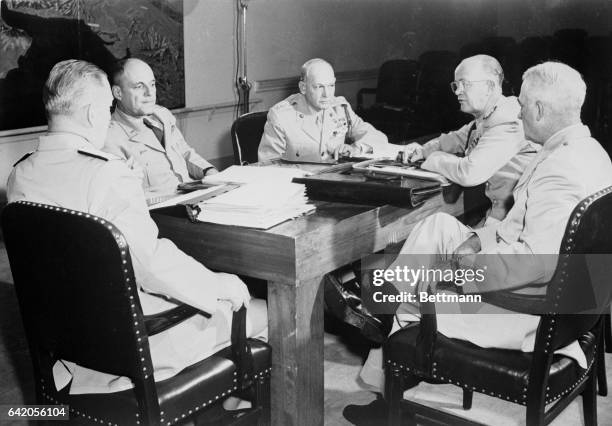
{"points": [[361, 188]]}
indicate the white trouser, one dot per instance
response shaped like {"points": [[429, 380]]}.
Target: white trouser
{"points": [[434, 239]]}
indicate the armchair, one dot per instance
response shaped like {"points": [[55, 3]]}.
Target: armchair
{"points": [[394, 97], [542, 381], [246, 134], [79, 302]]}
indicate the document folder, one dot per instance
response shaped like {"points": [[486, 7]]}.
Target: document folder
{"points": [[361, 188]]}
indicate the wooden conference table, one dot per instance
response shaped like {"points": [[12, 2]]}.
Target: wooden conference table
{"points": [[293, 257]]}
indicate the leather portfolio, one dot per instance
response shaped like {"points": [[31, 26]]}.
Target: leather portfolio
{"points": [[368, 188]]}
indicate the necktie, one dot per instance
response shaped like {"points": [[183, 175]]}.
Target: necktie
{"points": [[472, 139], [157, 129]]}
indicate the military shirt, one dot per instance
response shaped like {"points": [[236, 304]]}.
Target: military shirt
{"points": [[294, 133], [67, 171], [163, 166], [491, 149]]}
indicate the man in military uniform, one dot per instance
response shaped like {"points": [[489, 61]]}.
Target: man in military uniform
{"points": [[491, 148], [146, 133], [520, 251], [315, 125], [69, 170]]}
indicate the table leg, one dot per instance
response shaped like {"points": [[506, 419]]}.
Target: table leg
{"points": [[295, 318]]}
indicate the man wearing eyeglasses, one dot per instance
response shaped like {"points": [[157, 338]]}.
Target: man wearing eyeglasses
{"points": [[491, 148]]}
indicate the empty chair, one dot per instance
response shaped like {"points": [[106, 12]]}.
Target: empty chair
{"points": [[394, 97], [436, 107], [246, 134], [533, 50], [79, 302]]}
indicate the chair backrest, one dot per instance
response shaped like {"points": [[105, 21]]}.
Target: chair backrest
{"points": [[397, 80], [580, 289], [246, 134], [76, 290]]}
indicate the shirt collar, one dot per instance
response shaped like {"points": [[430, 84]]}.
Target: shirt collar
{"points": [[490, 112], [578, 130], [131, 122], [63, 140]]}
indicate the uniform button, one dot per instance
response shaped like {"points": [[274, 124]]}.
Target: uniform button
{"points": [[297, 154], [335, 133], [301, 115]]}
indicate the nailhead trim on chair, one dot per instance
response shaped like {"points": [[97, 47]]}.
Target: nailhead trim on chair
{"points": [[564, 258], [263, 374], [123, 245]]}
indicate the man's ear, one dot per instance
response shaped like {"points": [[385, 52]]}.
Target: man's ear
{"points": [[91, 115], [116, 92], [302, 87], [540, 107]]}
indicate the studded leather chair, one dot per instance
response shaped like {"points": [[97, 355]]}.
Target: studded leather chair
{"points": [[246, 134], [79, 302], [535, 380]]}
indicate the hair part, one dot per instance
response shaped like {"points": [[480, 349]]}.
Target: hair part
{"points": [[309, 64], [69, 86], [558, 85]]}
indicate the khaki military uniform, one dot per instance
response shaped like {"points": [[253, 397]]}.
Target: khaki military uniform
{"points": [[491, 149], [67, 171], [164, 166], [294, 133]]}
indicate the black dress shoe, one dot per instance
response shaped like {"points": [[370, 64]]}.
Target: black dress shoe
{"points": [[373, 414], [347, 307]]}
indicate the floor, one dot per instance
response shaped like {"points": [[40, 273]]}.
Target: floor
{"points": [[344, 354]]}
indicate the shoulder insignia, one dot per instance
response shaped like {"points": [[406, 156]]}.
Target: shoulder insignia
{"points": [[94, 155], [23, 158]]}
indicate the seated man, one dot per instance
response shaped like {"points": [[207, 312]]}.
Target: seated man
{"points": [[314, 125], [146, 134], [492, 147], [521, 249], [69, 170]]}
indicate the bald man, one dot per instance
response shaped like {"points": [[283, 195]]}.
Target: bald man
{"points": [[146, 134], [491, 148], [315, 125]]}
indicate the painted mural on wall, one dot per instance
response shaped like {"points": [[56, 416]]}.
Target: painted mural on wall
{"points": [[36, 34]]}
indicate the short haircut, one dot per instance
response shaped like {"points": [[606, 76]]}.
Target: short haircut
{"points": [[490, 66], [556, 84], [308, 64], [69, 86], [116, 71]]}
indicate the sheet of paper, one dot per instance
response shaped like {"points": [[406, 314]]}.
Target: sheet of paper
{"points": [[179, 199], [253, 174]]}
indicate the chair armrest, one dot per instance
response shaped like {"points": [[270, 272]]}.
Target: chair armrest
{"points": [[521, 303], [162, 321], [363, 91], [427, 334], [241, 351]]}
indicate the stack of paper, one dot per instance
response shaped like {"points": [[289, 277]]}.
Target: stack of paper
{"points": [[257, 205], [255, 174], [189, 198]]}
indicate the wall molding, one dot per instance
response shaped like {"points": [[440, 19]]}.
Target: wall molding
{"points": [[29, 133], [290, 83]]}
